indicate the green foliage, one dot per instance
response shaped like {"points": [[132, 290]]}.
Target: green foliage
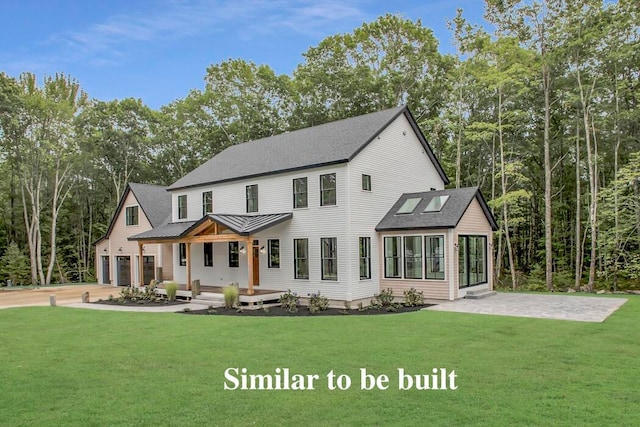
{"points": [[290, 301], [230, 294], [413, 298], [172, 290], [317, 302], [384, 298], [14, 266]]}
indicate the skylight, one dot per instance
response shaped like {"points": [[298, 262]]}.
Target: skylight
{"points": [[409, 205], [436, 204]]}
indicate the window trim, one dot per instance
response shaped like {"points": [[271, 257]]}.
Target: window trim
{"points": [[205, 211], [205, 256], [297, 259], [366, 182], [366, 257], [397, 257], [306, 193], [331, 260], [406, 258], [324, 190], [182, 209], [270, 263], [126, 216], [234, 254], [467, 259], [440, 259], [251, 199]]}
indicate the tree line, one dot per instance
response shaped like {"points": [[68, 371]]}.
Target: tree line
{"points": [[537, 107]]}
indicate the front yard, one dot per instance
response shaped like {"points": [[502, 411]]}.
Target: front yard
{"points": [[63, 366]]}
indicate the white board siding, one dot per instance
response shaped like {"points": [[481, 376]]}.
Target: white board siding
{"points": [[397, 163], [275, 195], [474, 222]]}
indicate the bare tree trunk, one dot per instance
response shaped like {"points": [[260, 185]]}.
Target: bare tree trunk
{"points": [[594, 212], [578, 259], [459, 139], [58, 197], [548, 246]]}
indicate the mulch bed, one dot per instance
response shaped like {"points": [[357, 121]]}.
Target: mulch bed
{"points": [[303, 311], [139, 303]]}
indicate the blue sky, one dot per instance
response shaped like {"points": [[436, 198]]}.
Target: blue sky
{"points": [[159, 50]]}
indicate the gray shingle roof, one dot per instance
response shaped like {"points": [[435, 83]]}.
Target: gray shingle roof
{"points": [[330, 143], [154, 200], [244, 225], [448, 217]]}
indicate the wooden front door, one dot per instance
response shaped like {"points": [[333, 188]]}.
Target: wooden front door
{"points": [[256, 263]]}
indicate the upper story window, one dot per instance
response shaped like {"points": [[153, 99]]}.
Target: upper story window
{"points": [[207, 202], [182, 206], [328, 189], [131, 215], [252, 198], [300, 194], [366, 182], [436, 204]]}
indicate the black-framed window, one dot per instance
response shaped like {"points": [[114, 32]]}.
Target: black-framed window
{"points": [[300, 193], [366, 182], [329, 255], [208, 254], [234, 254], [434, 257], [328, 189], [412, 257], [182, 250], [472, 260], [182, 206], [364, 244], [207, 202], [252, 198], [301, 258], [131, 215], [392, 265], [273, 251]]}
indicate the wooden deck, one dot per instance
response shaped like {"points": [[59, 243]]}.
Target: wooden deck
{"points": [[216, 292], [220, 289]]}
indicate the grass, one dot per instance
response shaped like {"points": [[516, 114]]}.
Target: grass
{"points": [[63, 366]]}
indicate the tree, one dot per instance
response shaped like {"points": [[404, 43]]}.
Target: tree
{"points": [[14, 265]]}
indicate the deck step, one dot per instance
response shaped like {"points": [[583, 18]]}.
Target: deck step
{"points": [[480, 293], [207, 302], [207, 296]]}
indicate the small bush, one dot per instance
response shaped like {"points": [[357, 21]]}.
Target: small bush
{"points": [[290, 301], [384, 298], [347, 305], [230, 296], [413, 298], [172, 290], [318, 302]]}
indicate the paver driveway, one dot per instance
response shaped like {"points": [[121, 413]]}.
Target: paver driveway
{"points": [[560, 307]]}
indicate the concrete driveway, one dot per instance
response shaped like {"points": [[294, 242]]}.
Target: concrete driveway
{"points": [[559, 307], [12, 297]]}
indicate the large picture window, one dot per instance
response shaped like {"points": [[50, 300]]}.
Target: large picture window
{"points": [[182, 206], [234, 254], [328, 189], [207, 202], [300, 194], [434, 257], [392, 257], [131, 215], [364, 244], [252, 198], [273, 247], [301, 258], [413, 257], [329, 249], [472, 260]]}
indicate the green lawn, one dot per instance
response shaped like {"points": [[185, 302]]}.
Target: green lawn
{"points": [[63, 366]]}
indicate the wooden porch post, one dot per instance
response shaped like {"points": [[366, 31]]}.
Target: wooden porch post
{"points": [[249, 246], [188, 247], [140, 263]]}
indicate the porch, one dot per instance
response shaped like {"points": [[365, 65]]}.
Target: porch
{"points": [[216, 294]]}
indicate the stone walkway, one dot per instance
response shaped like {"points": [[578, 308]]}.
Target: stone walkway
{"points": [[559, 307]]}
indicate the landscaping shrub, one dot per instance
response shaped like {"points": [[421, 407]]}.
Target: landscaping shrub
{"points": [[413, 298], [172, 290], [230, 296], [384, 298], [290, 301], [317, 302]]}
